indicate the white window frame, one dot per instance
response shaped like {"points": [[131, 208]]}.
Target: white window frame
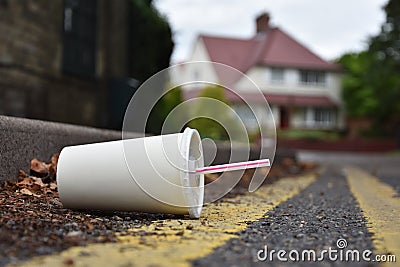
{"points": [[312, 77], [324, 117], [277, 75], [320, 117]]}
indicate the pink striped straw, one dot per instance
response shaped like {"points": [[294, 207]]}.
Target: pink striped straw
{"points": [[234, 166]]}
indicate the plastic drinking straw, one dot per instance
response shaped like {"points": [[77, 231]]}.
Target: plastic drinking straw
{"points": [[234, 166]]}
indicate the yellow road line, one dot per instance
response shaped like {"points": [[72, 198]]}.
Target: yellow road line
{"points": [[380, 207], [176, 242]]}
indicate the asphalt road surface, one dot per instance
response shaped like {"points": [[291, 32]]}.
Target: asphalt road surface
{"points": [[315, 219], [347, 214]]}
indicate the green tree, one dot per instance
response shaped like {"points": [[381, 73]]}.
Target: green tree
{"points": [[385, 68], [151, 45], [212, 118], [371, 84], [161, 110], [358, 87], [150, 40]]}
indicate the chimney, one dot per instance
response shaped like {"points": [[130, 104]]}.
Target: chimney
{"points": [[262, 22]]}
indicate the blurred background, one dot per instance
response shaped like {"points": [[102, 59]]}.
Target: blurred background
{"points": [[80, 62]]}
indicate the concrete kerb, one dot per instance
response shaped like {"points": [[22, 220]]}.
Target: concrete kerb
{"points": [[24, 139]]}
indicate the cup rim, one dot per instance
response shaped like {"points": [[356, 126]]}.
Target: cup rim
{"points": [[193, 195]]}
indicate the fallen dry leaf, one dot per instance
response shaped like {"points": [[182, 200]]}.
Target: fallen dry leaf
{"points": [[89, 226], [27, 192], [38, 181], [53, 186], [307, 165], [38, 168], [53, 163], [22, 175], [47, 191], [27, 181], [288, 162]]}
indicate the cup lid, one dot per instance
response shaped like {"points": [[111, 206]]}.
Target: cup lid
{"points": [[192, 182]]}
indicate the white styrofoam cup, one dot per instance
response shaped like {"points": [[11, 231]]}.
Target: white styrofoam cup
{"points": [[151, 174]]}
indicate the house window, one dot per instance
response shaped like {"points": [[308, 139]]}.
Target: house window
{"points": [[310, 77], [324, 116], [79, 37], [277, 75]]}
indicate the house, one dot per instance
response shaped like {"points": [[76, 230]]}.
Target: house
{"points": [[302, 89]]}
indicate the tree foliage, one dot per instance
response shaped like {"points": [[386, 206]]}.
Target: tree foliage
{"points": [[371, 84], [358, 88], [162, 109], [212, 119], [209, 128], [150, 40], [151, 45]]}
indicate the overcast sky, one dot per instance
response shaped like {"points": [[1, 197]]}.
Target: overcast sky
{"points": [[329, 28]]}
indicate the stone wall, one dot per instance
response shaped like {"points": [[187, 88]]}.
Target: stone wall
{"points": [[32, 81]]}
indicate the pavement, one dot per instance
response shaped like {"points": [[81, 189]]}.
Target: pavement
{"points": [[345, 214]]}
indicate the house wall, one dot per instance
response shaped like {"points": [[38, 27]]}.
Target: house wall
{"points": [[291, 84], [297, 117], [276, 115], [261, 75], [193, 72], [265, 117], [258, 117]]}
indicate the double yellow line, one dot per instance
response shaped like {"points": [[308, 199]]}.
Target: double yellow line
{"points": [[381, 209], [176, 242]]}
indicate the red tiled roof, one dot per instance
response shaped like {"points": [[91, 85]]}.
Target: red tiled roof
{"points": [[273, 48], [229, 51], [282, 50], [232, 52]]}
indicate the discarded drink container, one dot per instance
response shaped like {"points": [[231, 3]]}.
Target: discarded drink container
{"points": [[158, 174]]}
